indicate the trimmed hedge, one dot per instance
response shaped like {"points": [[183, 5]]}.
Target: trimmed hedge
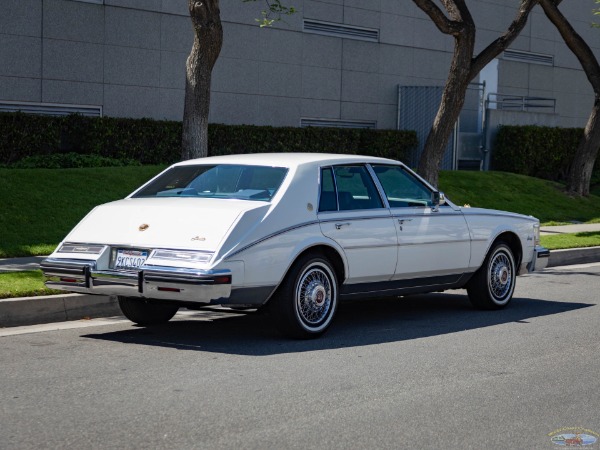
{"points": [[143, 140], [159, 142], [541, 152], [70, 161]]}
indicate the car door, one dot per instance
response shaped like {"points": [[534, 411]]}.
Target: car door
{"points": [[433, 242], [352, 213]]}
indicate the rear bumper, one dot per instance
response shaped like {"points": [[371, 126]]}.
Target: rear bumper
{"points": [[153, 282]]}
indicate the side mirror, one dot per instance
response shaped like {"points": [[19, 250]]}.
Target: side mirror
{"points": [[438, 198]]}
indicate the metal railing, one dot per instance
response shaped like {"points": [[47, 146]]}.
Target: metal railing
{"points": [[519, 102]]}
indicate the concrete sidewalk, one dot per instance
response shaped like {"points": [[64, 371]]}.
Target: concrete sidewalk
{"points": [[63, 307], [574, 228], [20, 264]]}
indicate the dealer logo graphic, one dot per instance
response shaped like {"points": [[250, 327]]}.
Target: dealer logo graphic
{"points": [[574, 437]]}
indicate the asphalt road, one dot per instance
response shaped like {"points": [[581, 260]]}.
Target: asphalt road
{"points": [[423, 372]]}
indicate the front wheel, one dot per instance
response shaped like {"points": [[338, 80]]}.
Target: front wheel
{"points": [[305, 303], [493, 284], [143, 312]]}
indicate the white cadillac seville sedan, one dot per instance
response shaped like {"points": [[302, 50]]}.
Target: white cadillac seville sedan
{"points": [[296, 233]]}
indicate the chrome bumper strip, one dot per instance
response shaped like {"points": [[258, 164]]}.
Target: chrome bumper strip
{"points": [[541, 255], [154, 282]]}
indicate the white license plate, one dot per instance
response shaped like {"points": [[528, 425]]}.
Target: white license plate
{"points": [[130, 259]]}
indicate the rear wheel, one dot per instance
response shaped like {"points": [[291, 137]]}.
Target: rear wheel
{"points": [[143, 312], [305, 303], [493, 284]]}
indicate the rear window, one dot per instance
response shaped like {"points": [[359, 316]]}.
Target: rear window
{"points": [[217, 181]]}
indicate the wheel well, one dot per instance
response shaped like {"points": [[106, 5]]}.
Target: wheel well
{"points": [[332, 255], [513, 241]]}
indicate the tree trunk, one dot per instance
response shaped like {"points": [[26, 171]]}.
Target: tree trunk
{"points": [[580, 172], [453, 99], [463, 69], [208, 40]]}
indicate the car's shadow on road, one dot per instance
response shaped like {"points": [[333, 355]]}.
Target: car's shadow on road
{"points": [[357, 323]]}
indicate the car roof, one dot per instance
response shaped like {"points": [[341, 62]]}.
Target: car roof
{"points": [[288, 159]]}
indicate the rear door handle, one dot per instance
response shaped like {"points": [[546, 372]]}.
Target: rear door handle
{"points": [[338, 226]]}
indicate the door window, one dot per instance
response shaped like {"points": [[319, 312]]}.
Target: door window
{"points": [[355, 188], [401, 188]]}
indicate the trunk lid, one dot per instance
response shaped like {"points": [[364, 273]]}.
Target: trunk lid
{"points": [[177, 223]]}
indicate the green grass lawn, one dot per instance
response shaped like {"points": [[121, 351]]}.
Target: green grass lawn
{"points": [[518, 193], [23, 284], [38, 207], [571, 240]]}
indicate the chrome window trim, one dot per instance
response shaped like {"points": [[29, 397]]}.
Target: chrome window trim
{"points": [[378, 185], [320, 189]]}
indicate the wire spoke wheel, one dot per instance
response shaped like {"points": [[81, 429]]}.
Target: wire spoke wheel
{"points": [[493, 284], [500, 275], [313, 296], [306, 301]]}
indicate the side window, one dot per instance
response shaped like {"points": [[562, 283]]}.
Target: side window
{"points": [[355, 188], [401, 188], [328, 199]]}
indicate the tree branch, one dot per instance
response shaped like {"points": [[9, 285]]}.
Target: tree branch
{"points": [[458, 11], [502, 43], [575, 42], [203, 12], [438, 17]]}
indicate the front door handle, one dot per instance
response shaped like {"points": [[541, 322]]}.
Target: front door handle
{"points": [[401, 222], [338, 226]]}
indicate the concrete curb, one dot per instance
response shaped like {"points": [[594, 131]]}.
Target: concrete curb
{"points": [[56, 308], [574, 256], [60, 308]]}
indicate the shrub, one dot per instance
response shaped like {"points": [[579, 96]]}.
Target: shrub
{"points": [[541, 152], [229, 139], [159, 141], [69, 161]]}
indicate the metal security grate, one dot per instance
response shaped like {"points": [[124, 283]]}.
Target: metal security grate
{"points": [[417, 107], [335, 123], [51, 109], [340, 30], [529, 57]]}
